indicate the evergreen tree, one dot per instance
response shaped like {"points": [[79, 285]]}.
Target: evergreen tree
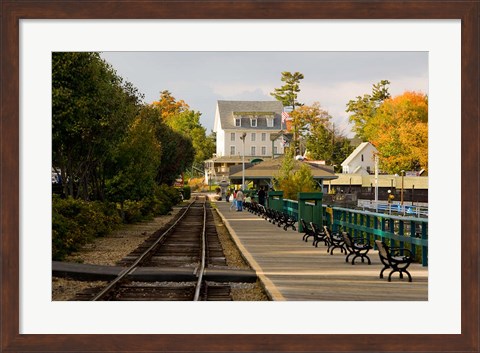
{"points": [[364, 108], [287, 94]]}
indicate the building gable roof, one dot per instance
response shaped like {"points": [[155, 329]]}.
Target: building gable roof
{"points": [[270, 168], [355, 153], [245, 110]]}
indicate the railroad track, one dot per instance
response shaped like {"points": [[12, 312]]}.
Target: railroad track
{"points": [[185, 251]]}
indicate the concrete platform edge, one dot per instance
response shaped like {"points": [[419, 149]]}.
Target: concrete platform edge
{"points": [[272, 292]]}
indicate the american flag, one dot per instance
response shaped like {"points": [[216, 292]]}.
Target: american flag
{"points": [[285, 116]]}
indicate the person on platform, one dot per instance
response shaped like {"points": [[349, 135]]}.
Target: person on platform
{"points": [[234, 200], [239, 199], [261, 196]]}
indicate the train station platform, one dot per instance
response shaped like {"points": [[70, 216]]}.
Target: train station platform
{"points": [[294, 270]]}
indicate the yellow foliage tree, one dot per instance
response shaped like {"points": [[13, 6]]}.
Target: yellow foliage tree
{"points": [[399, 130], [292, 182], [169, 107]]}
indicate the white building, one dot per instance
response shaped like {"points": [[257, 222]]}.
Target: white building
{"points": [[361, 160], [258, 120]]}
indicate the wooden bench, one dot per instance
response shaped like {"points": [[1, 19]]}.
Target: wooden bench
{"points": [[318, 235], [308, 232], [398, 259], [357, 247], [286, 221], [334, 241]]}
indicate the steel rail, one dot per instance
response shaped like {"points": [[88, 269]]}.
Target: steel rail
{"points": [[201, 270], [129, 269]]}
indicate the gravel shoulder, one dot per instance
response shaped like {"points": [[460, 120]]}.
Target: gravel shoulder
{"points": [[112, 248]]}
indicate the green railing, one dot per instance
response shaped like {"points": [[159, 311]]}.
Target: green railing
{"points": [[275, 200], [396, 231], [308, 207], [290, 207], [309, 213]]}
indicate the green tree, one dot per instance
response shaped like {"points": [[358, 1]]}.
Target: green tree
{"points": [[364, 108], [321, 143], [292, 181], [312, 125], [92, 109], [327, 143], [135, 162], [177, 149], [287, 94], [178, 116], [342, 149], [188, 124]]}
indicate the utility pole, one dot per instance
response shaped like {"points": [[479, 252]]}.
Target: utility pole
{"points": [[243, 160], [401, 193], [376, 181]]}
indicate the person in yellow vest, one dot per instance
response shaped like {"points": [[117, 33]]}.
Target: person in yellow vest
{"points": [[390, 198]]}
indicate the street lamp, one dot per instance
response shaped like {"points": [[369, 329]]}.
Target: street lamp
{"points": [[389, 201], [243, 160], [413, 190], [401, 192], [376, 182]]}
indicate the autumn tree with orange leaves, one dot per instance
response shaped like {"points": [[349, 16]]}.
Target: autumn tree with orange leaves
{"points": [[169, 107], [178, 116], [399, 131]]}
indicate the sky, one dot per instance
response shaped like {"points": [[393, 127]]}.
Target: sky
{"points": [[331, 78]]}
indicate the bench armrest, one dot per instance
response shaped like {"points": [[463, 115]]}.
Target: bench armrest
{"points": [[398, 251]]}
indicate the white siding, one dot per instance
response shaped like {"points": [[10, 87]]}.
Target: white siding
{"points": [[221, 146], [224, 139], [360, 161]]}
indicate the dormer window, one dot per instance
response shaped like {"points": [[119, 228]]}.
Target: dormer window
{"points": [[253, 122], [269, 122], [238, 122]]}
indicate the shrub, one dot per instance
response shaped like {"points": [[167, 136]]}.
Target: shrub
{"points": [[196, 183], [167, 196], [66, 237], [76, 222], [187, 192], [132, 211]]}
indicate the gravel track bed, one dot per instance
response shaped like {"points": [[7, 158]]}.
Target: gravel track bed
{"points": [[112, 248]]}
